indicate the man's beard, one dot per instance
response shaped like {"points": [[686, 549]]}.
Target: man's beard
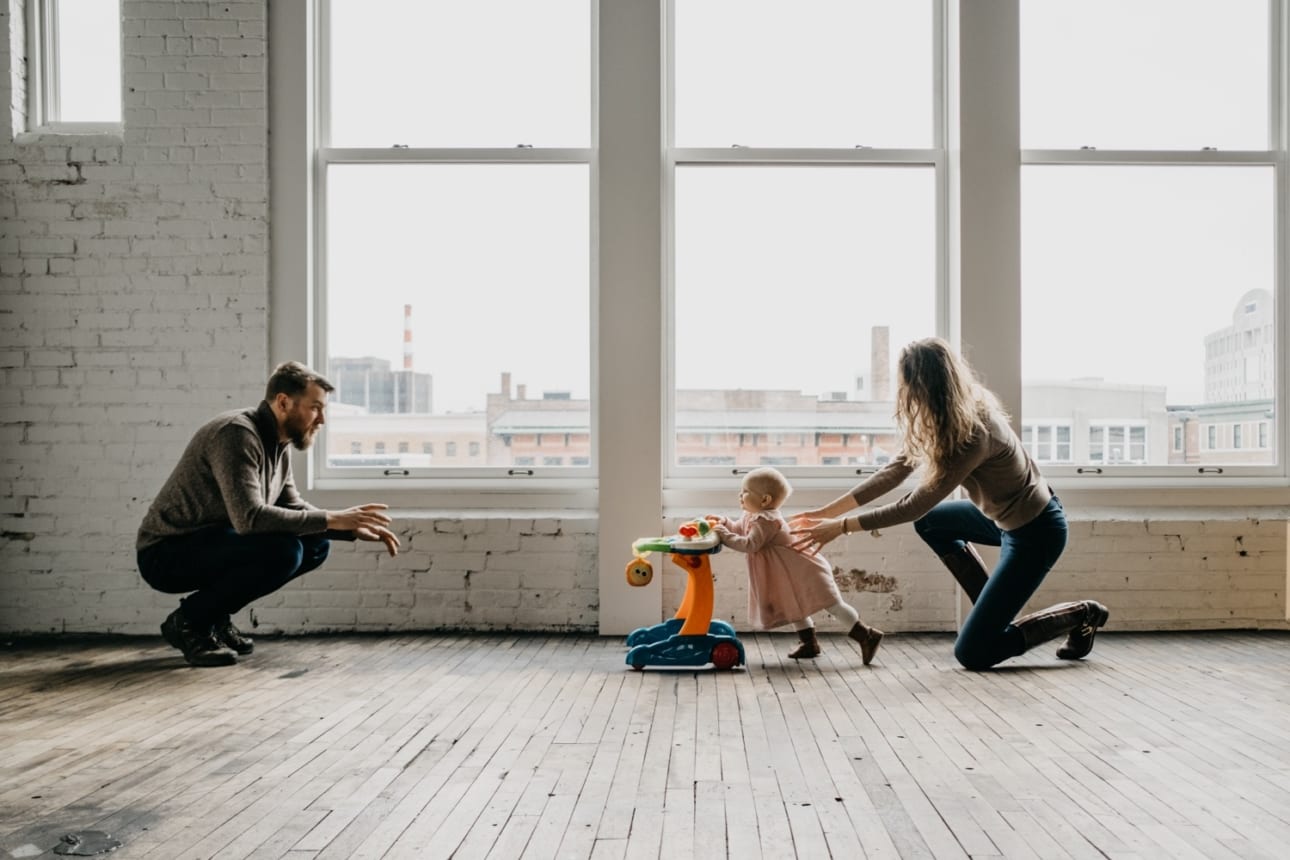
{"points": [[300, 434]]}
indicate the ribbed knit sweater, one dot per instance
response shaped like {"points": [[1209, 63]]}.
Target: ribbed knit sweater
{"points": [[1000, 478], [233, 472]]}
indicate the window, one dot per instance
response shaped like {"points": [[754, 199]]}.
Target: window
{"points": [[1142, 193], [1117, 443], [379, 448], [802, 184], [1149, 191], [1047, 442], [450, 449], [403, 447], [483, 215], [1236, 436], [74, 64]]}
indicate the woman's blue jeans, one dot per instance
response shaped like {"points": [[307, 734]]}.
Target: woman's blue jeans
{"points": [[226, 570], [1026, 554]]}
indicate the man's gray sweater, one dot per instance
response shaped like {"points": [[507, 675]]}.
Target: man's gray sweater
{"points": [[235, 473]]}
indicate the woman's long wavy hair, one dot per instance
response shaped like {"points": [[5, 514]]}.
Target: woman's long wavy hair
{"points": [[941, 406]]}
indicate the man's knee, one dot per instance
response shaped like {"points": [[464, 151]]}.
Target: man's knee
{"points": [[315, 551], [282, 553]]}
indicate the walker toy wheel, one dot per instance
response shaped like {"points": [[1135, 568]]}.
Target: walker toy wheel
{"points": [[724, 655]]}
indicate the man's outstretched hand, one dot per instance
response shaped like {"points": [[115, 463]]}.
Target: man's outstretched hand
{"points": [[367, 522], [381, 533]]}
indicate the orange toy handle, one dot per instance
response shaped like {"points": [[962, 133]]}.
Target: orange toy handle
{"points": [[696, 605]]}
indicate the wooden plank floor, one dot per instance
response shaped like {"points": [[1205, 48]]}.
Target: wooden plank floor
{"points": [[537, 746]]}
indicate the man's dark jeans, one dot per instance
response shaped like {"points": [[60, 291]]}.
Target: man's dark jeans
{"points": [[226, 570]]}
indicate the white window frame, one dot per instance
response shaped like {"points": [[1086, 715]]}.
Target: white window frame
{"points": [[43, 110], [1274, 157], [446, 476], [683, 483]]}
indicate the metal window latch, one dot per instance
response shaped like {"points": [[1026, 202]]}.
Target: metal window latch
{"points": [[1210, 470], [1209, 149], [866, 470], [523, 146], [397, 472], [1093, 471], [519, 472], [399, 146], [1089, 148]]}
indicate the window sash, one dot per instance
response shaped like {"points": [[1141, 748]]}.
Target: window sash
{"points": [[517, 477], [686, 471]]}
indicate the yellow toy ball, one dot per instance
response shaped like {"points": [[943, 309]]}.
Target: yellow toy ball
{"points": [[639, 572]]}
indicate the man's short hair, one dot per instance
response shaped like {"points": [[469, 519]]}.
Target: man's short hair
{"points": [[293, 379]]}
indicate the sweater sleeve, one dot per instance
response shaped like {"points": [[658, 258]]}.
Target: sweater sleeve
{"points": [[761, 532], [885, 479], [915, 504], [236, 461]]}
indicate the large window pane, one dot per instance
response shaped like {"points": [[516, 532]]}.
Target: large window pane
{"points": [[1147, 309], [458, 314], [487, 73], [794, 287], [1144, 74], [803, 73], [89, 60]]}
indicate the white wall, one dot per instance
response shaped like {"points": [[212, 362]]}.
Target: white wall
{"points": [[134, 304]]}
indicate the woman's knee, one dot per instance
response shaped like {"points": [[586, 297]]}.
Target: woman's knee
{"points": [[972, 656]]}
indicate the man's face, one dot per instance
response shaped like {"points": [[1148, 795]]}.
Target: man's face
{"points": [[305, 414]]}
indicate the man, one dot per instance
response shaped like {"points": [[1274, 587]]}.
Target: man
{"points": [[229, 525]]}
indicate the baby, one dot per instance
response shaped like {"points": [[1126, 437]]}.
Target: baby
{"points": [[785, 585]]}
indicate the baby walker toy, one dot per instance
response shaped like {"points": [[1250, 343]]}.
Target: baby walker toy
{"points": [[691, 637]]}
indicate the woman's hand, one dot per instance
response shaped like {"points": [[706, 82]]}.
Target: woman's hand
{"points": [[810, 535], [807, 518]]}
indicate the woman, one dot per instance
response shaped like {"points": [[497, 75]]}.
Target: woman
{"points": [[957, 432]]}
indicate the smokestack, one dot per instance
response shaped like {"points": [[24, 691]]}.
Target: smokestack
{"points": [[407, 337], [880, 363], [506, 385]]}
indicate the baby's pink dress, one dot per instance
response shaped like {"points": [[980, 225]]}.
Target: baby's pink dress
{"points": [[784, 584]]}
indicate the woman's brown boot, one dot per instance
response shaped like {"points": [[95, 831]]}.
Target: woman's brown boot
{"points": [[869, 639], [810, 647]]}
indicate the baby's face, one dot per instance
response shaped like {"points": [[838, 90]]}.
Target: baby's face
{"points": [[752, 501]]}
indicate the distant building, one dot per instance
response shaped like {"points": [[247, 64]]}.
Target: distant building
{"points": [[1239, 358], [370, 384]]}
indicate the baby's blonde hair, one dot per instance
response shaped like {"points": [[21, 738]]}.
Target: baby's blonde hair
{"points": [[769, 482]]}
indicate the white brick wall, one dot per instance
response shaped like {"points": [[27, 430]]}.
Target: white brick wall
{"points": [[133, 306], [1173, 571]]}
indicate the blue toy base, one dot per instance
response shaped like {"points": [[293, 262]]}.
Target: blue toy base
{"points": [[659, 632], [723, 652]]}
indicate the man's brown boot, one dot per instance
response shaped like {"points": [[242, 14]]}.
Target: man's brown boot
{"points": [[810, 647], [868, 637]]}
